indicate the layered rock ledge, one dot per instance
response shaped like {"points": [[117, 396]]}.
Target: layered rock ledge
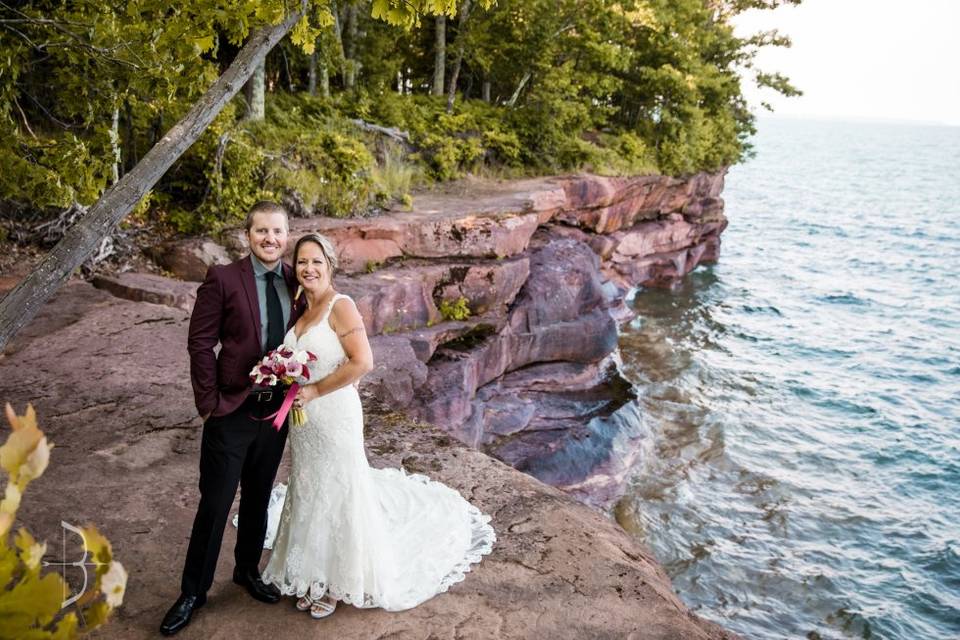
{"points": [[493, 308]]}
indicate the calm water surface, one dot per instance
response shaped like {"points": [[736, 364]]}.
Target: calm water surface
{"points": [[806, 392]]}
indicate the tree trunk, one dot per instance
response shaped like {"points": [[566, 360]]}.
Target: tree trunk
{"points": [[115, 142], [516, 94], [255, 93], [440, 54], [338, 35], [350, 64], [324, 80], [461, 26], [312, 75], [20, 305], [131, 157], [485, 91]]}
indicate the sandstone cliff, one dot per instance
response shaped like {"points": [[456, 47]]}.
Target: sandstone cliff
{"points": [[543, 266]]}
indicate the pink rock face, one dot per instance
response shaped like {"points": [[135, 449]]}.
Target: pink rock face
{"points": [[606, 205], [559, 315], [407, 297], [564, 283], [659, 254], [365, 242]]}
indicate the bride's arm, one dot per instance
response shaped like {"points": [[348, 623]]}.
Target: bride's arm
{"points": [[347, 322]]}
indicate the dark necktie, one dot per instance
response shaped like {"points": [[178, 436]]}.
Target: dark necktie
{"points": [[275, 328]]}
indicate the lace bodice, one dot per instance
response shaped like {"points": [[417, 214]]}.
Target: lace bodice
{"points": [[321, 340]]}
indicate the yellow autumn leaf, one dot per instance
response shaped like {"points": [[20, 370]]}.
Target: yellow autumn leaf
{"points": [[9, 564], [36, 462], [31, 551], [98, 547], [96, 614], [11, 499], [21, 442], [204, 43], [34, 599]]}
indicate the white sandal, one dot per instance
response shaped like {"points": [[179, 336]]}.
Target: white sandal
{"points": [[304, 603], [323, 607]]}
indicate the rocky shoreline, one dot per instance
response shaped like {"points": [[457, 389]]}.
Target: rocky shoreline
{"points": [[530, 377], [525, 368]]}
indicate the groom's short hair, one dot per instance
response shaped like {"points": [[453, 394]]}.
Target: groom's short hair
{"points": [[267, 206]]}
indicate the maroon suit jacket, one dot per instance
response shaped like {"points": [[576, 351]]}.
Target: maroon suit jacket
{"points": [[227, 312]]}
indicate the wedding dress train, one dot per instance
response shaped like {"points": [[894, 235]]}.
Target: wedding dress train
{"points": [[369, 537]]}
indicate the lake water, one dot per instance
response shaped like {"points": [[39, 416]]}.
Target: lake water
{"points": [[806, 392]]}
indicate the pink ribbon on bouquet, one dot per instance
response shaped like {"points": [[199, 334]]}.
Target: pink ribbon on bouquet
{"points": [[284, 409]]}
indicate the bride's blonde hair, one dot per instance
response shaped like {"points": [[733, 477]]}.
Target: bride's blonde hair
{"points": [[329, 251]]}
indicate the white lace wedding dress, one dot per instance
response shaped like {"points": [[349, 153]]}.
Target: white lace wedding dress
{"points": [[370, 537]]}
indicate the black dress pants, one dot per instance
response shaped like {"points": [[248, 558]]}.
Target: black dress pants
{"points": [[236, 449]]}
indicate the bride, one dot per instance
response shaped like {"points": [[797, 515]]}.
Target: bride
{"points": [[347, 531]]}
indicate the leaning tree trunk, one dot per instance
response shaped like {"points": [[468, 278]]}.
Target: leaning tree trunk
{"points": [[20, 305], [440, 55]]}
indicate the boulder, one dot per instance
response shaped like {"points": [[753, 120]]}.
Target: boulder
{"points": [[189, 259], [147, 287], [397, 373]]}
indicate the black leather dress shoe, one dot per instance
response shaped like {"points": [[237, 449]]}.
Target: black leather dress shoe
{"points": [[179, 614], [250, 579]]}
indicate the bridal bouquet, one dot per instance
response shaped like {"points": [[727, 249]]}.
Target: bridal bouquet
{"points": [[288, 367]]}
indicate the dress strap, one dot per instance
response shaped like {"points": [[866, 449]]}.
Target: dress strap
{"points": [[333, 300]]}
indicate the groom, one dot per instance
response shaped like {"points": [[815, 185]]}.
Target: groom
{"points": [[246, 307]]}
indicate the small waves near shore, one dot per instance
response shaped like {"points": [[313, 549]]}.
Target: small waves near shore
{"points": [[805, 480]]}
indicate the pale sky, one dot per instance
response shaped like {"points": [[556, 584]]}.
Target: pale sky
{"points": [[870, 59]]}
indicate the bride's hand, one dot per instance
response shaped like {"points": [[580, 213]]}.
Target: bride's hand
{"points": [[304, 395]]}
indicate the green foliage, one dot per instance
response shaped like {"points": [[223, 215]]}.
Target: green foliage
{"points": [[449, 144], [30, 601], [458, 309], [394, 176], [611, 86]]}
